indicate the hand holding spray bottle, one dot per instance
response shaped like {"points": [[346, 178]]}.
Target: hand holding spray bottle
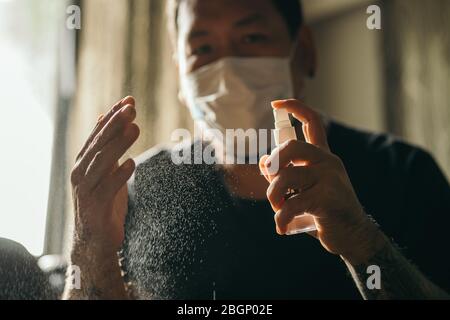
{"points": [[284, 131]]}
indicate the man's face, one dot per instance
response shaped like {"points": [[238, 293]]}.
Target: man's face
{"points": [[211, 30]]}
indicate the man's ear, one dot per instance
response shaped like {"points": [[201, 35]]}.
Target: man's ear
{"points": [[306, 54]]}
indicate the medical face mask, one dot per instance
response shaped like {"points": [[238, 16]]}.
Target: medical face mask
{"points": [[235, 93]]}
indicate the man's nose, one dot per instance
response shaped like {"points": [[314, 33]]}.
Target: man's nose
{"points": [[228, 49]]}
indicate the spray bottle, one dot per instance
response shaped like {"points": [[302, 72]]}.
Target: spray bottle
{"points": [[284, 131]]}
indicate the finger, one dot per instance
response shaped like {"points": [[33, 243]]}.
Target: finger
{"points": [[263, 168], [296, 152], [295, 206], [313, 128], [105, 160], [297, 178], [113, 128], [102, 120], [129, 100], [314, 234], [109, 187]]}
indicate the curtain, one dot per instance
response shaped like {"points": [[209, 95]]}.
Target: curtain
{"points": [[417, 53]]}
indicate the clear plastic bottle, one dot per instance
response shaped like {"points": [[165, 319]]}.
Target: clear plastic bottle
{"points": [[284, 131]]}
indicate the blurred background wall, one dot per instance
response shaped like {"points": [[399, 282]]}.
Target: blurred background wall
{"points": [[349, 82], [396, 79], [417, 63]]}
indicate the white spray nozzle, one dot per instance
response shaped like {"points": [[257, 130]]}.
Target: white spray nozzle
{"points": [[284, 131], [281, 117]]}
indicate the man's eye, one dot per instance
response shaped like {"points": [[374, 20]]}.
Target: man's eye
{"points": [[206, 49], [255, 38]]}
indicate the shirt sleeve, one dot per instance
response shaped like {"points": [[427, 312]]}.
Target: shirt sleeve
{"points": [[427, 222]]}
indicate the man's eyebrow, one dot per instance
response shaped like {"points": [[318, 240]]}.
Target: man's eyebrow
{"points": [[197, 33], [249, 20], [252, 19]]}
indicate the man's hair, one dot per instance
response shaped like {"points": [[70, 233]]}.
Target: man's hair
{"points": [[290, 10]]}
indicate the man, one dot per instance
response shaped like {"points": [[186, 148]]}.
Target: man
{"points": [[205, 231]]}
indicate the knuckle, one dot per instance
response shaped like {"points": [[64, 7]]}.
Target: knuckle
{"points": [[288, 207], [75, 175], [96, 139], [99, 157], [115, 106], [136, 129], [278, 218], [283, 216], [335, 160], [127, 112], [79, 193], [272, 192], [291, 145], [286, 150], [94, 164], [284, 178], [132, 131], [269, 193], [79, 156], [312, 115]]}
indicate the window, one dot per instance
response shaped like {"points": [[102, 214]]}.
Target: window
{"points": [[28, 92]]}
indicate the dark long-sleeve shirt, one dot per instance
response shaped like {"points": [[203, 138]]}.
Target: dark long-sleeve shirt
{"points": [[187, 237]]}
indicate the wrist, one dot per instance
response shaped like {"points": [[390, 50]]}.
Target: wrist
{"points": [[95, 279], [97, 271], [367, 240], [92, 254]]}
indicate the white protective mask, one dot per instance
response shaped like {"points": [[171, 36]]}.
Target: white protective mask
{"points": [[235, 93]]}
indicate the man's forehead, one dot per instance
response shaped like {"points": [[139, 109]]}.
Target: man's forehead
{"points": [[201, 12]]}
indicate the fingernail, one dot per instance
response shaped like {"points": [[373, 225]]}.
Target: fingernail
{"points": [[128, 98], [127, 110], [277, 103]]}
